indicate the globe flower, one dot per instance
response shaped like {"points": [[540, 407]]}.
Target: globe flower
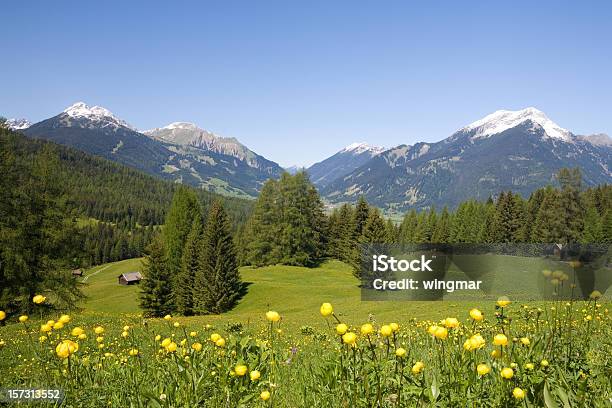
{"points": [[220, 342], [82, 336], [400, 352], [98, 329], [46, 328], [171, 348], [594, 295], [65, 319], [38, 299], [507, 373], [451, 322], [2, 315], [42, 339], [193, 334], [77, 331], [483, 369], [386, 330], [157, 338], [518, 393], [272, 316], [126, 328], [394, 327], [240, 370], [503, 301], [254, 375], [496, 353], [124, 334], [529, 366], [544, 363], [417, 367], [326, 309], [176, 324], [432, 330], [133, 352], [265, 395], [66, 348], [525, 341], [476, 315], [547, 273], [23, 318], [100, 339], [214, 337], [58, 325], [475, 342], [341, 329], [167, 317], [165, 342], [500, 340], [196, 346], [367, 329], [441, 333], [349, 338]]}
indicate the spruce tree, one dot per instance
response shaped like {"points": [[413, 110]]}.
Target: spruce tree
{"points": [[362, 212], [263, 228], [156, 297], [184, 210], [217, 281], [549, 224], [185, 280], [442, 229]]}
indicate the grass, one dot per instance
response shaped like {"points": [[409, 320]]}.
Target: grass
{"points": [[297, 293]]}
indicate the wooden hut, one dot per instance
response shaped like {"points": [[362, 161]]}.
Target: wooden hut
{"points": [[129, 278]]}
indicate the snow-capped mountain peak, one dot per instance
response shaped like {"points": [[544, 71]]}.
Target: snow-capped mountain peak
{"points": [[95, 113], [18, 124], [362, 147], [181, 125], [502, 120]]}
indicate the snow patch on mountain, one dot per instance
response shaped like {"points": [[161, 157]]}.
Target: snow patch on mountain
{"points": [[81, 110], [18, 124], [502, 120], [362, 147]]}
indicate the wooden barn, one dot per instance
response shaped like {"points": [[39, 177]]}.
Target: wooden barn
{"points": [[129, 278]]}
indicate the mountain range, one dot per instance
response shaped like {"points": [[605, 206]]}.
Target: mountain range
{"points": [[180, 151], [507, 150]]}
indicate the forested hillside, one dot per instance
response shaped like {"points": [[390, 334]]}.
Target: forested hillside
{"points": [[118, 208]]}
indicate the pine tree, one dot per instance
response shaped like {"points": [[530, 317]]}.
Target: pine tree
{"points": [[571, 206], [442, 229], [408, 227], [263, 228], [593, 227], [184, 210], [374, 232], [362, 212], [217, 281], [549, 225], [156, 297], [185, 280]]}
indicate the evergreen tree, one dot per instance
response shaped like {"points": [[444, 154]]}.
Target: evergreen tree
{"points": [[156, 297], [217, 281], [593, 227], [408, 227], [442, 229], [185, 280], [571, 205], [184, 210], [549, 225], [362, 212], [263, 228]]}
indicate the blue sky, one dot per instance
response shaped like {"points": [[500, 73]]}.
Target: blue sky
{"points": [[297, 81]]}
